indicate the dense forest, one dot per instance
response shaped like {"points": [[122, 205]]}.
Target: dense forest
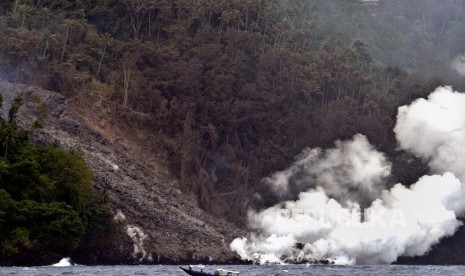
{"points": [[232, 90]]}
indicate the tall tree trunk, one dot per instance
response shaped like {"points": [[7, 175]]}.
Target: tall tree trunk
{"points": [[221, 28], [15, 7], [150, 23], [101, 59], [66, 41], [127, 75]]}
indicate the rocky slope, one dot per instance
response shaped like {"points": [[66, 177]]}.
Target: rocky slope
{"points": [[157, 222]]}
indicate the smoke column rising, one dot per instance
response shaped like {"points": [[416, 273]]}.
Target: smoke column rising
{"points": [[352, 170], [322, 224]]}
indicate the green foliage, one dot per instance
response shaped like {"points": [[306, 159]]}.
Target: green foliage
{"points": [[5, 204], [13, 112], [46, 199], [62, 227], [99, 228], [55, 226], [10, 138], [70, 176], [18, 239]]}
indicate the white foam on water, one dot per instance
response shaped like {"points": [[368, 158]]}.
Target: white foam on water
{"points": [[65, 262]]}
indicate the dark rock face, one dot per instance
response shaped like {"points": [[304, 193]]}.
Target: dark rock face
{"points": [[157, 223], [450, 251]]}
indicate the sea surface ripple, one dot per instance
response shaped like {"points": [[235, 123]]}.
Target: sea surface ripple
{"points": [[250, 270]]}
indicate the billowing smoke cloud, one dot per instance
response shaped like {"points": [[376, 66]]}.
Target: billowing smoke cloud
{"points": [[459, 64], [352, 170], [323, 224], [434, 130]]}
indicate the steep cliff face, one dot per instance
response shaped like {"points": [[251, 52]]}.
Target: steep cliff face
{"points": [[156, 221]]}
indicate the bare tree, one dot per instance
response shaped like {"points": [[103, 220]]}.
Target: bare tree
{"points": [[139, 10], [107, 39], [127, 75], [66, 40]]}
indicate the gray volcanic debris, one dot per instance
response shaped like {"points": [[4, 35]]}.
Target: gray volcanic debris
{"points": [[156, 222]]}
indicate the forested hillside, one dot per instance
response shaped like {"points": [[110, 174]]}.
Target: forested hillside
{"points": [[225, 92]]}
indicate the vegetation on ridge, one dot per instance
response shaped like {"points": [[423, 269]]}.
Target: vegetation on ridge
{"points": [[232, 90]]}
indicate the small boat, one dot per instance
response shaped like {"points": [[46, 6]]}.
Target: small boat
{"points": [[218, 272], [195, 272]]}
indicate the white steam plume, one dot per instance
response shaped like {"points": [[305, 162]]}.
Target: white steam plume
{"points": [[138, 237], [459, 64], [402, 222], [324, 225], [352, 170], [434, 130]]}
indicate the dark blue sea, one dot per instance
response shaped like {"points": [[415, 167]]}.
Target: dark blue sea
{"points": [[245, 270]]}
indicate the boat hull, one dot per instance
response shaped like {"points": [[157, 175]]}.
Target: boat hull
{"points": [[196, 273]]}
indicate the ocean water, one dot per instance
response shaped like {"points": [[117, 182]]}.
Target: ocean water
{"points": [[250, 270]]}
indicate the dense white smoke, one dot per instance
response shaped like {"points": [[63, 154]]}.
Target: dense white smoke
{"points": [[459, 64], [352, 170], [434, 129], [324, 224]]}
